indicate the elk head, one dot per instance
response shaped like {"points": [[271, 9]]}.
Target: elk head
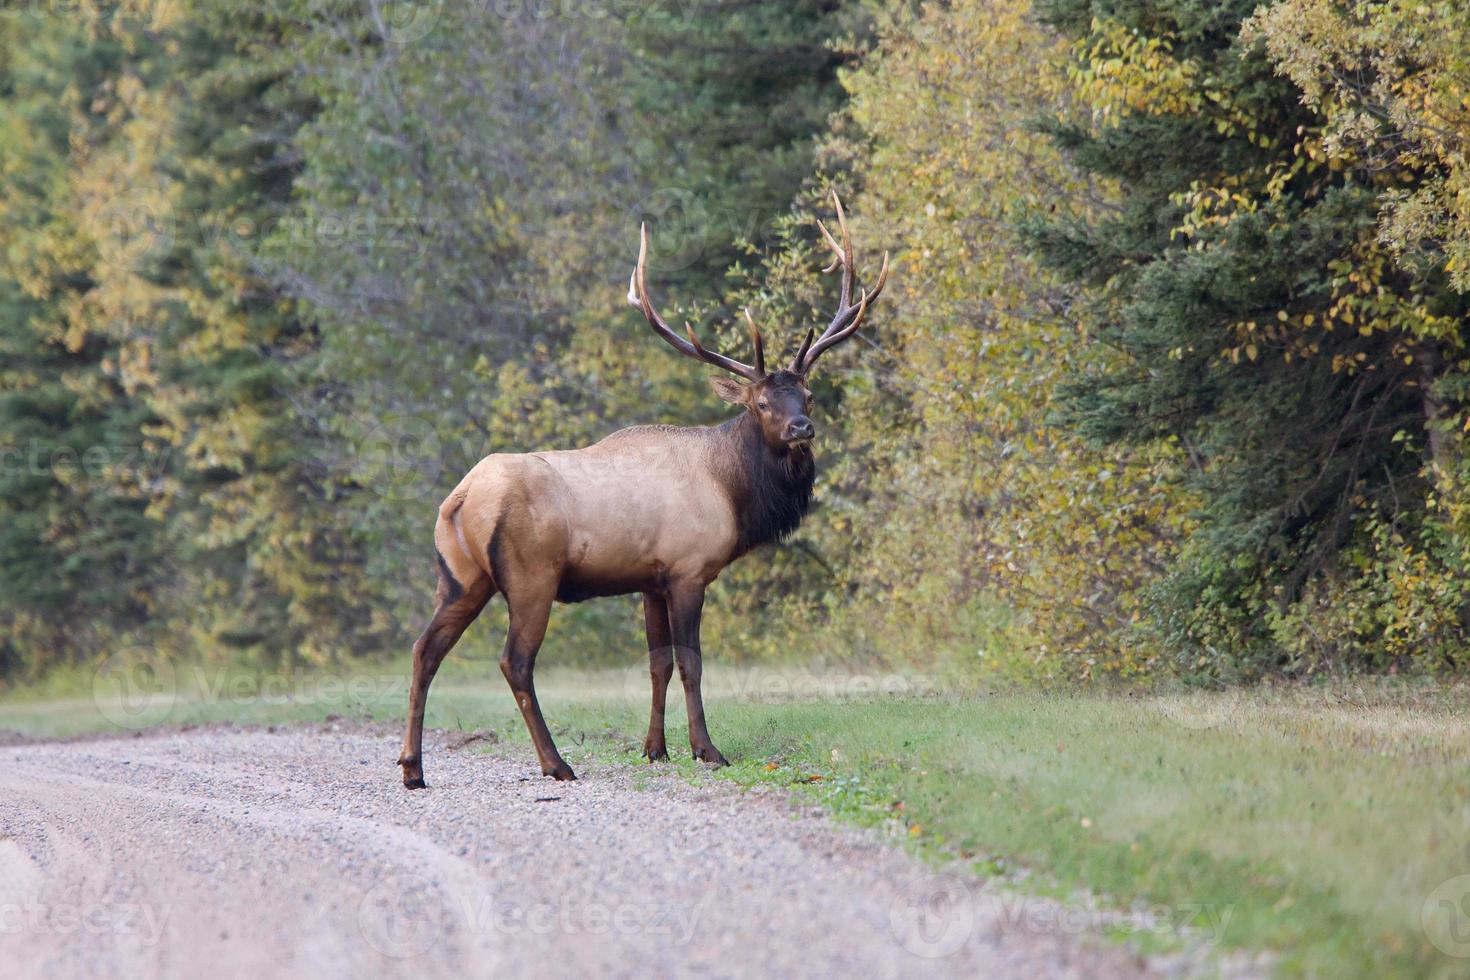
{"points": [[779, 400]]}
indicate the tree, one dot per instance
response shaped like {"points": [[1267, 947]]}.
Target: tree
{"points": [[949, 503], [1262, 324], [725, 100], [79, 548], [146, 146], [501, 264], [1389, 81]]}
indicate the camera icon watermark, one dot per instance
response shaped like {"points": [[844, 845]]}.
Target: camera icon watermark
{"points": [[399, 457]]}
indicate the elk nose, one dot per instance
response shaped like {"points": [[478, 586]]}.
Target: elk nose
{"points": [[800, 428]]}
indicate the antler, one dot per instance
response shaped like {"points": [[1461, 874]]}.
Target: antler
{"points": [[638, 298], [849, 314]]}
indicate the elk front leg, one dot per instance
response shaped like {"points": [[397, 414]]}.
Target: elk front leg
{"points": [[528, 618], [660, 671], [685, 607]]}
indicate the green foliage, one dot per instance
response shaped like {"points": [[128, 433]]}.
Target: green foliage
{"points": [[952, 493], [78, 548], [1170, 376], [1263, 327], [501, 264], [160, 489], [727, 98], [1389, 81], [312, 260]]}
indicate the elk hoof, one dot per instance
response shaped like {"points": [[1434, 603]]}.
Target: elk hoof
{"points": [[711, 756], [413, 772], [655, 752], [562, 773]]}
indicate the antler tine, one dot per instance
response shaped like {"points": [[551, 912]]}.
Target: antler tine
{"points": [[841, 254], [849, 273], [796, 365], [755, 340], [638, 298], [833, 339], [836, 262], [694, 339], [841, 325], [849, 316]]}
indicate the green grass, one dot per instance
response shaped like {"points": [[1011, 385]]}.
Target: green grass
{"points": [[1313, 822]]}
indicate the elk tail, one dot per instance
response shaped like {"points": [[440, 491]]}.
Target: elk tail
{"points": [[449, 511]]}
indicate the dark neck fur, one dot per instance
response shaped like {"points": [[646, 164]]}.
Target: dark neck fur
{"points": [[771, 489]]}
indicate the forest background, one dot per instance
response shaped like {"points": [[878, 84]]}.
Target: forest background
{"points": [[1170, 381]]}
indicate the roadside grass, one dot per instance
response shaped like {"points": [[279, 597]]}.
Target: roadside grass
{"points": [[1321, 823]]}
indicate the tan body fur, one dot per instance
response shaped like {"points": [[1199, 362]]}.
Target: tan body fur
{"points": [[628, 514]]}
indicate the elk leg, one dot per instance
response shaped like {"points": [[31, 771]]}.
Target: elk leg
{"points": [[685, 608], [455, 611], [528, 618], [660, 670]]}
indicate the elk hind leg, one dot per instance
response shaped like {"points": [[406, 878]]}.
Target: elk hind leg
{"points": [[457, 607]]}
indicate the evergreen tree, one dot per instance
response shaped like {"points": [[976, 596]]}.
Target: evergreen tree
{"points": [[729, 98], [1263, 326], [155, 465], [252, 515], [80, 553]]}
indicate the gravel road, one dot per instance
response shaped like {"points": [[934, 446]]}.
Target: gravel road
{"points": [[229, 852]]}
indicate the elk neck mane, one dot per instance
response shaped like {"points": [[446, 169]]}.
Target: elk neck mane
{"points": [[770, 490]]}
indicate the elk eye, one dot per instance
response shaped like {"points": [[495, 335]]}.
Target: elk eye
{"points": [[762, 405]]}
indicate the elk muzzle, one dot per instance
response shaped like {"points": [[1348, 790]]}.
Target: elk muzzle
{"points": [[799, 429]]}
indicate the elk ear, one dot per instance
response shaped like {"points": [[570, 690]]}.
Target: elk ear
{"points": [[730, 390]]}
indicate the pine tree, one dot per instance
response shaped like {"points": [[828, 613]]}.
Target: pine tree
{"points": [[1262, 324], [729, 98], [80, 552]]}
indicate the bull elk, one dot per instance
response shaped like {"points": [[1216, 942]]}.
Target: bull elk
{"points": [[654, 509]]}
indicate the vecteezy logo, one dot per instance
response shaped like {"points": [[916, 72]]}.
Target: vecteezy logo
{"points": [[134, 688], [403, 916], [133, 229], [1445, 917], [678, 225], [933, 916], [399, 457], [403, 21]]}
